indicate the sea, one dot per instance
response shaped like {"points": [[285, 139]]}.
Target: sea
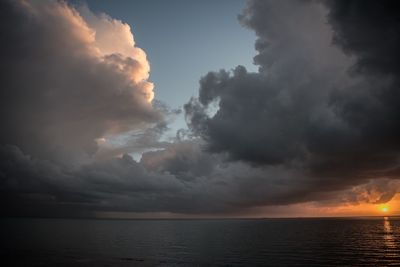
{"points": [[366, 241]]}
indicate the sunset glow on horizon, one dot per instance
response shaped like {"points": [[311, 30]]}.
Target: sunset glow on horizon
{"points": [[384, 208]]}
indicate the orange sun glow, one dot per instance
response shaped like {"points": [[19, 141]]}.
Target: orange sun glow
{"points": [[384, 208]]}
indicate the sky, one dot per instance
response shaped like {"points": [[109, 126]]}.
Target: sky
{"points": [[184, 109]]}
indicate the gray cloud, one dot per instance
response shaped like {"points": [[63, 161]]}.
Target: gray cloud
{"points": [[368, 30], [117, 183], [332, 113], [267, 117]]}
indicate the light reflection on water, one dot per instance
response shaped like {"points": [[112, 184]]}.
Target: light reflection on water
{"points": [[389, 238]]}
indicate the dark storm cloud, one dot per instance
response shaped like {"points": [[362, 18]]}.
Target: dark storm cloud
{"points": [[370, 30], [333, 113], [117, 183], [267, 117]]}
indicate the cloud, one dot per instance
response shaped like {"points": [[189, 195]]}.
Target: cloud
{"points": [[266, 117], [317, 123], [62, 85], [41, 187], [323, 101], [367, 30], [376, 191]]}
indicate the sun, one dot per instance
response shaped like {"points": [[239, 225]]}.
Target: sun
{"points": [[384, 208]]}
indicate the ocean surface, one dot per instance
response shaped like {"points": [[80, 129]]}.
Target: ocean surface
{"points": [[259, 242]]}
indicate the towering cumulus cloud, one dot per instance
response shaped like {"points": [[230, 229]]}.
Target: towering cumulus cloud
{"points": [[324, 101], [68, 78], [319, 121], [64, 83]]}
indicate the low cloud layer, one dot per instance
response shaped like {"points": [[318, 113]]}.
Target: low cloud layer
{"points": [[318, 121]]}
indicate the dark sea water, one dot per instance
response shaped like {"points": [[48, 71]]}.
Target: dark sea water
{"points": [[269, 242]]}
